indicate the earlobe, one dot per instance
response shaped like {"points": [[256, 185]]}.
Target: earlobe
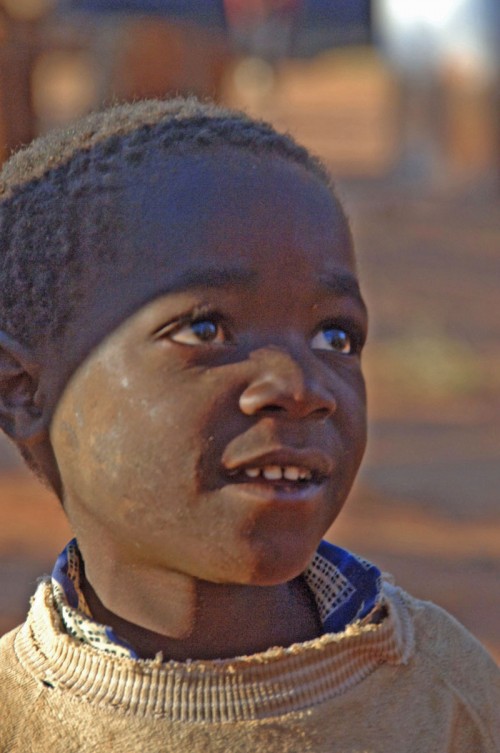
{"points": [[21, 414]]}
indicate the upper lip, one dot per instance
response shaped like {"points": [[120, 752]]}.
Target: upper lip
{"points": [[312, 459]]}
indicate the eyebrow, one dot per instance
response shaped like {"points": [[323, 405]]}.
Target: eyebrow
{"points": [[212, 278], [343, 284], [337, 281]]}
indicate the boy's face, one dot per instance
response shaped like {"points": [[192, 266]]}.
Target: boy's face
{"points": [[218, 425]]}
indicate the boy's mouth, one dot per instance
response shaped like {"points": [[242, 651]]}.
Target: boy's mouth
{"points": [[273, 473], [299, 467]]}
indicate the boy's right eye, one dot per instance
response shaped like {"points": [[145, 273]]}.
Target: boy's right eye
{"points": [[205, 330]]}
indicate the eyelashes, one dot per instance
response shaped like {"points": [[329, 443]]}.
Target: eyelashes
{"points": [[204, 331], [339, 336], [333, 339], [199, 326]]}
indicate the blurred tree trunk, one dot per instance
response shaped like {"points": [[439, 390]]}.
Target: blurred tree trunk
{"points": [[17, 54]]}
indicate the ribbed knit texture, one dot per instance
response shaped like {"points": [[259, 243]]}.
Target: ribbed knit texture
{"points": [[277, 681], [417, 682]]}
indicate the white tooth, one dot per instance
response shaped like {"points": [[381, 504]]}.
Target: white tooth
{"points": [[305, 475], [252, 472], [291, 473], [272, 472]]}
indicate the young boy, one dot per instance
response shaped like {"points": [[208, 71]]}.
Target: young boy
{"points": [[180, 354]]}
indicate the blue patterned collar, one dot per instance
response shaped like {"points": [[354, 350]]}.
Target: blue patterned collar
{"points": [[346, 589]]}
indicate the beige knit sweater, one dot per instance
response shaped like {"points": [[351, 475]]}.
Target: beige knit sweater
{"points": [[415, 682]]}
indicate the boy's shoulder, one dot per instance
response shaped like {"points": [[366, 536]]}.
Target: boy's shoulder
{"points": [[18, 690], [447, 657], [442, 640], [11, 677]]}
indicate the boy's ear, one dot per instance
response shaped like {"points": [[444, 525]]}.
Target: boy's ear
{"points": [[21, 414]]}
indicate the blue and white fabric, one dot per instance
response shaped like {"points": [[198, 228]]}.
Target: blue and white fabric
{"points": [[346, 589]]}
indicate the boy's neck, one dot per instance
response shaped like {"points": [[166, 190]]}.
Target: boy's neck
{"points": [[196, 619]]}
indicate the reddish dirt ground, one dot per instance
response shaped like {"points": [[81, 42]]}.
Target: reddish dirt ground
{"points": [[426, 507]]}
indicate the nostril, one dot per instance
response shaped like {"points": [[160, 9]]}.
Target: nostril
{"points": [[283, 386]]}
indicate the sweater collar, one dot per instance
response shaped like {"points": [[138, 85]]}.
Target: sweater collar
{"points": [[263, 685]]}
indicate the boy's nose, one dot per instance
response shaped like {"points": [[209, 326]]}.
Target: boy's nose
{"points": [[283, 383]]}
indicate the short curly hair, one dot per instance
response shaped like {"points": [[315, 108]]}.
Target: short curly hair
{"points": [[56, 194]]}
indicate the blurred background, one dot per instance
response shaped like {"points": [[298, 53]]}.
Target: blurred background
{"points": [[401, 100]]}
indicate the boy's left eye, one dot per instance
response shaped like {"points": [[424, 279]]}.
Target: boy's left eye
{"points": [[201, 331], [333, 338]]}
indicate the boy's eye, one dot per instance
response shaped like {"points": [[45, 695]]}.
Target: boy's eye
{"points": [[205, 330], [333, 338]]}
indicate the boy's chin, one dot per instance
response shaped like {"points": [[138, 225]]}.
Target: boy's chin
{"points": [[273, 570]]}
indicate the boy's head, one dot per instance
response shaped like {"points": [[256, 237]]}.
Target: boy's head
{"points": [[58, 199], [182, 330]]}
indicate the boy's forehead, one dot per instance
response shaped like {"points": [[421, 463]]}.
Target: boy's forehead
{"points": [[231, 197], [182, 217]]}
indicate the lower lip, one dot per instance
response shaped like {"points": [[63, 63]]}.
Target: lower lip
{"points": [[280, 491]]}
